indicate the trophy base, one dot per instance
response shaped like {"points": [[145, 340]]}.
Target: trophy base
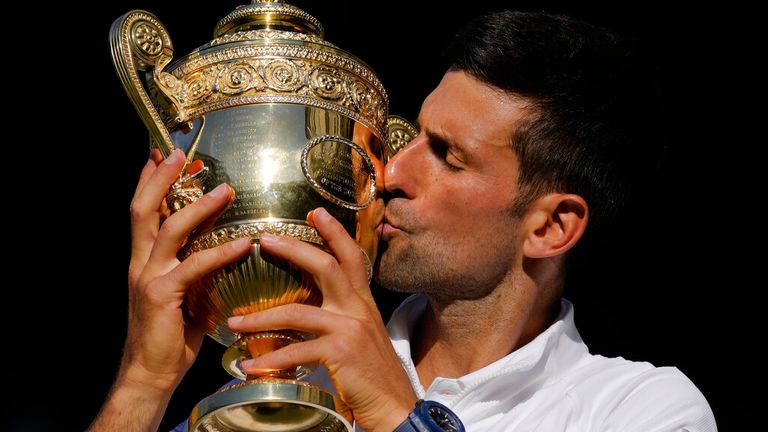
{"points": [[270, 405]]}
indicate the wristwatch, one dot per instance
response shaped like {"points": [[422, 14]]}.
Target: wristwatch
{"points": [[431, 416]]}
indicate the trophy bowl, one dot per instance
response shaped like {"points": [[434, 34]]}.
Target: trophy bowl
{"points": [[292, 123]]}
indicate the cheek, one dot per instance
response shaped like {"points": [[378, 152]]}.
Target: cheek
{"points": [[486, 204], [476, 217]]}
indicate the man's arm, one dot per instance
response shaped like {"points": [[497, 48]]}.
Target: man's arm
{"points": [[132, 405], [160, 346]]}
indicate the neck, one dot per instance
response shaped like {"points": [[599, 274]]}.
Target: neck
{"points": [[456, 337]]}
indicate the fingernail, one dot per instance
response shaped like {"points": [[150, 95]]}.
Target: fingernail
{"points": [[173, 157], [322, 214], [311, 218], [247, 364], [220, 191], [235, 320], [242, 243], [267, 239], [195, 166]]}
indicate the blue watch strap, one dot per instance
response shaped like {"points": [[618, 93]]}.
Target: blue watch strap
{"points": [[419, 420], [412, 423], [406, 426]]}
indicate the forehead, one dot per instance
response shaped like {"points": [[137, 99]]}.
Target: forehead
{"points": [[471, 111]]}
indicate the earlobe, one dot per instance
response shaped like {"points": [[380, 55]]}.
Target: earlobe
{"points": [[554, 224]]}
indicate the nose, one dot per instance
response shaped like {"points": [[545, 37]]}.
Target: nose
{"points": [[400, 173]]}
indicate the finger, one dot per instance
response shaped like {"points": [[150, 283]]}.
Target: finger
{"points": [[351, 258], [156, 187], [211, 220], [326, 271], [311, 218], [147, 171], [204, 262], [290, 356], [294, 316], [146, 206], [174, 231]]}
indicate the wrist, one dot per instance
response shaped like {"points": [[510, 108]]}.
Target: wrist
{"points": [[391, 421], [135, 377], [131, 405]]}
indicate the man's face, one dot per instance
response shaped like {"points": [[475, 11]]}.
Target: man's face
{"points": [[449, 227]]}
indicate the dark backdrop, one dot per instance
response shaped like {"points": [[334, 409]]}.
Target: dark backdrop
{"points": [[659, 291]]}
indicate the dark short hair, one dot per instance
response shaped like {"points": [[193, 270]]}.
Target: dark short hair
{"points": [[582, 85]]}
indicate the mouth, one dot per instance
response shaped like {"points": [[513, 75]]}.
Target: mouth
{"points": [[388, 228]]}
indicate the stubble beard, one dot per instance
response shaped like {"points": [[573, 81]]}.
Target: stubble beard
{"points": [[430, 266]]}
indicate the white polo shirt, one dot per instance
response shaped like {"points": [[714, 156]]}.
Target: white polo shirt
{"points": [[554, 384]]}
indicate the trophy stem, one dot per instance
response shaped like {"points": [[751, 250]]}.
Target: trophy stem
{"points": [[252, 345], [274, 400]]}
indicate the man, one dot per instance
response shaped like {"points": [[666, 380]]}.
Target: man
{"points": [[515, 155]]}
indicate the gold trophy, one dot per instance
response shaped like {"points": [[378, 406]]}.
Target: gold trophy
{"points": [[291, 122]]}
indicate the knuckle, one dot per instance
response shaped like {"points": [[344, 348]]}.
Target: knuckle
{"points": [[329, 264], [340, 346], [357, 329], [153, 293], [134, 274], [169, 227], [137, 213]]}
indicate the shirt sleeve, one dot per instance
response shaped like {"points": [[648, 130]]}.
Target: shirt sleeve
{"points": [[660, 400]]}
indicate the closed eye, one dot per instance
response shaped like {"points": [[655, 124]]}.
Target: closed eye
{"points": [[441, 150]]}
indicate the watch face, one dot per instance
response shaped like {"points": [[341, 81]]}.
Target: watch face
{"points": [[445, 419]]}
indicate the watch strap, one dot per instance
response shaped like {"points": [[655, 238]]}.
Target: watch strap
{"points": [[412, 423], [419, 419]]}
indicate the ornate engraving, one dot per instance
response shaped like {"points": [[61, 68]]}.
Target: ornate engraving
{"points": [[327, 82], [241, 75], [282, 75], [146, 37], [198, 86], [267, 34], [247, 11], [399, 133], [181, 198], [138, 41], [253, 230], [360, 97], [236, 78]]}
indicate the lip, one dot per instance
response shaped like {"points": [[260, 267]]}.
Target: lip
{"points": [[390, 226], [388, 229]]}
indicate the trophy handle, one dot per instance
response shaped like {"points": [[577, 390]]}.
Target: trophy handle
{"points": [[399, 133], [139, 42]]}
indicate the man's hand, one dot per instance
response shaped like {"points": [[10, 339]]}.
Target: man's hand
{"points": [[161, 346], [352, 342]]}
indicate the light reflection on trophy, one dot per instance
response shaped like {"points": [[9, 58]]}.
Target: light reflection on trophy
{"points": [[292, 123]]}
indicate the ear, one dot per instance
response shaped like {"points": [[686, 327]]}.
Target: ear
{"points": [[553, 224]]}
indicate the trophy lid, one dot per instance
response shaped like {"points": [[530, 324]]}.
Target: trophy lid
{"points": [[270, 52], [268, 15]]}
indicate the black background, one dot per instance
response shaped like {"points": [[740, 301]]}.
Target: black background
{"points": [[664, 290]]}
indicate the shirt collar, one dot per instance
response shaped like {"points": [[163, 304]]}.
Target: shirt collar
{"points": [[558, 347]]}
